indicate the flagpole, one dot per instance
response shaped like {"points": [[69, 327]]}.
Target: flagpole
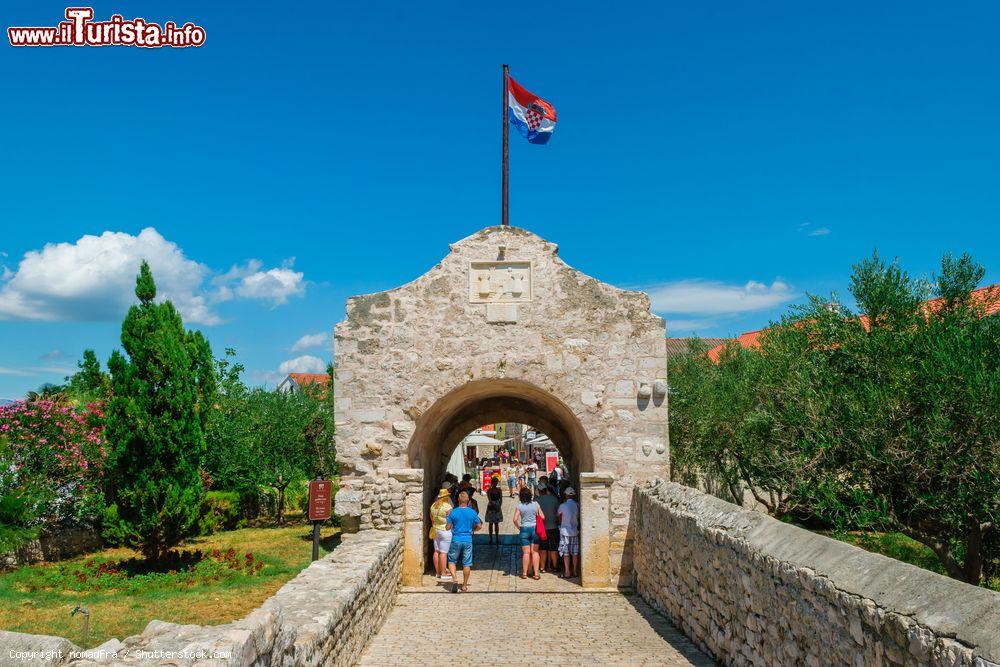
{"points": [[504, 221]]}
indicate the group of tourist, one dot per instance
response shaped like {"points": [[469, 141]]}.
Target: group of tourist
{"points": [[546, 516], [521, 475], [548, 527]]}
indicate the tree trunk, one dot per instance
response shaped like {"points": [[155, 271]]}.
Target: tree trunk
{"points": [[736, 493], [941, 549], [973, 566], [281, 504]]}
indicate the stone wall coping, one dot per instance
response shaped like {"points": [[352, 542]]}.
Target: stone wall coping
{"points": [[969, 613], [332, 580]]}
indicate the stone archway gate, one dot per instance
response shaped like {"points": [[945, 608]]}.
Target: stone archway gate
{"points": [[501, 327]]}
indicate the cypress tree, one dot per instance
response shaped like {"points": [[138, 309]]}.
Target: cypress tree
{"points": [[155, 424]]}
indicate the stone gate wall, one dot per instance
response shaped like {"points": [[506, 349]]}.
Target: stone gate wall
{"points": [[751, 590], [582, 360]]}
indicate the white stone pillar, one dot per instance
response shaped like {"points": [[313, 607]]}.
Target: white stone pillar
{"points": [[414, 542], [595, 529]]}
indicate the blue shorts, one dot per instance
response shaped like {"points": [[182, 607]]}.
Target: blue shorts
{"points": [[460, 552], [528, 536]]}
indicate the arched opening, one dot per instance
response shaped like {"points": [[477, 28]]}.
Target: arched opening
{"points": [[454, 416]]}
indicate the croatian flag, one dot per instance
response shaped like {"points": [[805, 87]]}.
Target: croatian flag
{"points": [[533, 117]]}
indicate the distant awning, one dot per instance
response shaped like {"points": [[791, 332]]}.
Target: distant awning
{"points": [[541, 442], [479, 440]]}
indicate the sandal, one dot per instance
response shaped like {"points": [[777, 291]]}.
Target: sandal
{"points": [[463, 589], [523, 576], [535, 577]]}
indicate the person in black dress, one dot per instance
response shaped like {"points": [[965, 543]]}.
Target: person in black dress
{"points": [[494, 509]]}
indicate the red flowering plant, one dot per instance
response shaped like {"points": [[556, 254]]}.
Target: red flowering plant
{"points": [[51, 459]]}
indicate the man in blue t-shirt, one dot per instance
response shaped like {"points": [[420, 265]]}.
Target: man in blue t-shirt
{"points": [[463, 521]]}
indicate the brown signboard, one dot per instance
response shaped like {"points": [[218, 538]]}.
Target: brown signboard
{"points": [[320, 499]]}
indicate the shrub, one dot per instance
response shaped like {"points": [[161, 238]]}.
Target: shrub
{"points": [[114, 531], [51, 457], [220, 511], [17, 522], [13, 538]]}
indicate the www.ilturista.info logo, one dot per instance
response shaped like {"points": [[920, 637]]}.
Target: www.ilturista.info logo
{"points": [[81, 30]]}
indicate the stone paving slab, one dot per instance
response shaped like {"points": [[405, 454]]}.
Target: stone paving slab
{"points": [[525, 628]]}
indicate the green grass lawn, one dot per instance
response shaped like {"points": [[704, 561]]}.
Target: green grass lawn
{"points": [[238, 571], [900, 547]]}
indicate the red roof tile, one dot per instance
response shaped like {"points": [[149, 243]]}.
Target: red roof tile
{"points": [[310, 378], [988, 296], [677, 346], [747, 340]]}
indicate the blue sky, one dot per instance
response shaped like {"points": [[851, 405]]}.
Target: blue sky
{"points": [[728, 157]]}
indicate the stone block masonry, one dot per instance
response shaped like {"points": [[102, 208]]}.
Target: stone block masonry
{"points": [[59, 544], [324, 616], [751, 590]]}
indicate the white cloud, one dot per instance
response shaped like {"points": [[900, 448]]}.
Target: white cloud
{"points": [[93, 279], [808, 229], [304, 364], [703, 297], [61, 370], [310, 341], [51, 354], [28, 371], [273, 285]]}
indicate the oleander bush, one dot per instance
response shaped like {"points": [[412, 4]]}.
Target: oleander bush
{"points": [[51, 468]]}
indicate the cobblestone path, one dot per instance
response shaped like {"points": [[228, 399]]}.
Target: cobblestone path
{"points": [[506, 620], [528, 628]]}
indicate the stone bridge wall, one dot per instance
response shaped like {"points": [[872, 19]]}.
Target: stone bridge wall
{"points": [[324, 616], [751, 590]]}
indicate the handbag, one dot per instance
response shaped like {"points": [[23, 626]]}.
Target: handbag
{"points": [[540, 527]]}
